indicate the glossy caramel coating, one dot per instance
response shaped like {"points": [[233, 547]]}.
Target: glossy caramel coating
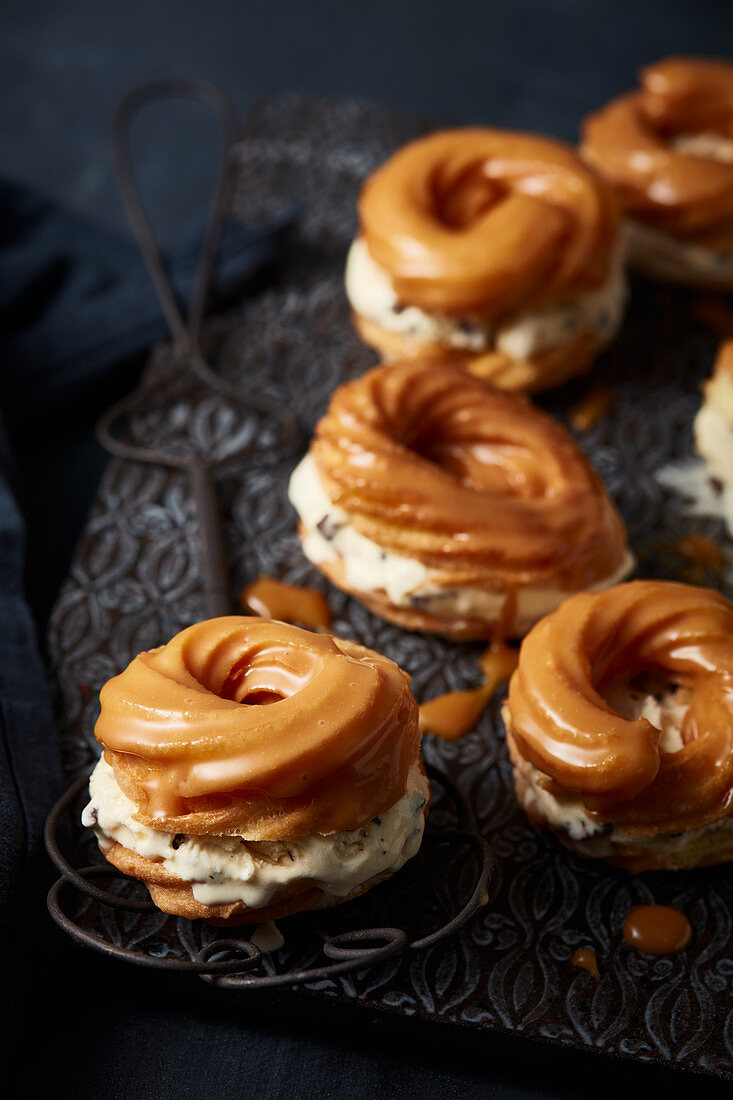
{"points": [[559, 721], [249, 725], [487, 223], [630, 142], [477, 484]]}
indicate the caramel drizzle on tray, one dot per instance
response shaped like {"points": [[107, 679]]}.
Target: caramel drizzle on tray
{"points": [[595, 404], [585, 959], [453, 714], [652, 929], [288, 603]]}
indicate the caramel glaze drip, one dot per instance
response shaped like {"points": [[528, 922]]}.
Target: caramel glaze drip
{"points": [[585, 959], [629, 142], [487, 223], [561, 723], [288, 602], [456, 712], [256, 726], [700, 550], [475, 483], [596, 404], [657, 929]]}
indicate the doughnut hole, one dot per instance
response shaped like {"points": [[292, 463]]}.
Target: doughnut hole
{"points": [[254, 676]]}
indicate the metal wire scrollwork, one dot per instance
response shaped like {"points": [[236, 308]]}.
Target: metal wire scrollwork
{"points": [[186, 332], [230, 961]]}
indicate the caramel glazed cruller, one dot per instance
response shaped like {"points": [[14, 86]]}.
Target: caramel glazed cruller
{"points": [[252, 770], [620, 725], [446, 505], [498, 250], [667, 149]]}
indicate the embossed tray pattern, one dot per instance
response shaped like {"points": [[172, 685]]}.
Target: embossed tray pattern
{"points": [[135, 581]]}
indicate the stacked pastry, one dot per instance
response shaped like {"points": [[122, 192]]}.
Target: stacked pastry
{"points": [[252, 770], [447, 505], [620, 725], [667, 149], [496, 249]]}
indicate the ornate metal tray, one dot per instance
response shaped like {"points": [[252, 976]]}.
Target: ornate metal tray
{"points": [[136, 580]]}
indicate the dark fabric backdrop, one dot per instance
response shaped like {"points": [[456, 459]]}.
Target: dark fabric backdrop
{"points": [[98, 1028]]}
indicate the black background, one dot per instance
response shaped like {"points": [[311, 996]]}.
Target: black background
{"points": [[99, 1029], [535, 64]]}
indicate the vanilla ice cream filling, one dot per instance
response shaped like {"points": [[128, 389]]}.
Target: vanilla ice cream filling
{"points": [[714, 428], [665, 713], [329, 536], [599, 312], [707, 486], [704, 493], [231, 868]]}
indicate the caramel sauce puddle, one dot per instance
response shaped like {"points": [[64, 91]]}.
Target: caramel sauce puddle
{"points": [[585, 959], [657, 929], [287, 602], [453, 714], [596, 403]]}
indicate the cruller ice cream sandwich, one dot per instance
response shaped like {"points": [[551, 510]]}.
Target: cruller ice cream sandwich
{"points": [[620, 725], [496, 249], [667, 150], [447, 505], [252, 770]]}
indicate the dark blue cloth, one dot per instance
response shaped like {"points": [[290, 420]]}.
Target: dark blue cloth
{"points": [[77, 314], [76, 303], [29, 767]]}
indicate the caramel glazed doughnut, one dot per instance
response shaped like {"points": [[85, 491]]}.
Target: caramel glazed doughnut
{"points": [[252, 770], [667, 149], [620, 725], [496, 249], [713, 427], [447, 505]]}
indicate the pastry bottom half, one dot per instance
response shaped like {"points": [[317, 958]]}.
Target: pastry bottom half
{"points": [[683, 851], [322, 870], [543, 371], [410, 618], [512, 618], [172, 895]]}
